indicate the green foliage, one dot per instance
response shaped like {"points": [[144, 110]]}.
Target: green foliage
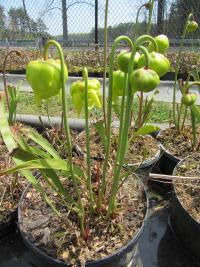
{"points": [[146, 129], [12, 146], [21, 25], [178, 12], [13, 93], [99, 126], [196, 111], [44, 157]]}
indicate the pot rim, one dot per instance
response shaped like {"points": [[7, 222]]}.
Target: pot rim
{"points": [[163, 147], [176, 195], [89, 263], [143, 164]]}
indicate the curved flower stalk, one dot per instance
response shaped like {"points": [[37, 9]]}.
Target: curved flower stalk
{"points": [[150, 16], [88, 157], [50, 162], [149, 6], [48, 78], [66, 126], [105, 59], [187, 29], [109, 113], [123, 137], [188, 100], [157, 62]]}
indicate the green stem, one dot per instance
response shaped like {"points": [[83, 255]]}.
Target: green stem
{"points": [[122, 114], [146, 39], [190, 85], [184, 118], [187, 80], [146, 55], [193, 120], [105, 60], [129, 103], [109, 113], [177, 71], [140, 110], [88, 157], [133, 33], [147, 65], [48, 114], [116, 178], [179, 117], [150, 17], [66, 125]]}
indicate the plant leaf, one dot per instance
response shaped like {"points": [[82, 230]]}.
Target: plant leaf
{"points": [[32, 149], [38, 139], [5, 129], [196, 111], [31, 153], [11, 145], [195, 75], [99, 126], [55, 164], [147, 108], [22, 154], [117, 109], [146, 129]]}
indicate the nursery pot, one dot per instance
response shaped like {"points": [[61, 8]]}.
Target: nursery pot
{"points": [[144, 166], [167, 161], [121, 258], [184, 226], [9, 225]]}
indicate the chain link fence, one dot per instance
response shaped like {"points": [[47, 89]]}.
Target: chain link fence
{"points": [[77, 23]]}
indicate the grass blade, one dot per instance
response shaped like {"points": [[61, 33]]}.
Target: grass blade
{"points": [[38, 139]]}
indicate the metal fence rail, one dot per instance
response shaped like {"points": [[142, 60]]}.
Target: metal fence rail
{"points": [[78, 23]]}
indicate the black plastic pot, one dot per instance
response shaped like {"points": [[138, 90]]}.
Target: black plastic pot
{"points": [[185, 228], [7, 227], [123, 257], [167, 161], [145, 166]]}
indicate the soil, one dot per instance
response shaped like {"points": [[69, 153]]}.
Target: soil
{"points": [[60, 237], [139, 149], [179, 145], [93, 61], [156, 247], [189, 191], [57, 139], [11, 186]]}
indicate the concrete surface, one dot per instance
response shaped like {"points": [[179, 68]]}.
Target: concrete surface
{"points": [[165, 88]]}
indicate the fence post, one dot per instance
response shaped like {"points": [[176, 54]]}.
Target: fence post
{"points": [[160, 16], [64, 22], [96, 25]]}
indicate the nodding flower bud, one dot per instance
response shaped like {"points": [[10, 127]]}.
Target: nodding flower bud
{"points": [[189, 99], [192, 26], [148, 5]]}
